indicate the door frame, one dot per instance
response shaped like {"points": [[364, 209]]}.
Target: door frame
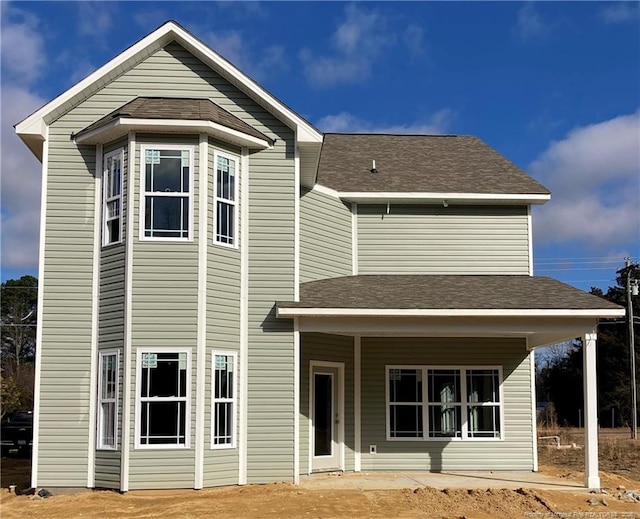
{"points": [[340, 400]]}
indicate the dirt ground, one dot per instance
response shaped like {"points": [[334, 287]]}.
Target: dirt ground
{"points": [[620, 462]]}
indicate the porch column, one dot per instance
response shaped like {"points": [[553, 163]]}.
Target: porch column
{"points": [[592, 480]]}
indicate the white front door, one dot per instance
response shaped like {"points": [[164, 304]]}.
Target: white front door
{"points": [[326, 416]]}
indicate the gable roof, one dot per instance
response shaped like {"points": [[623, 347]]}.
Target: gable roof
{"points": [[419, 164], [146, 109], [445, 295], [32, 130]]}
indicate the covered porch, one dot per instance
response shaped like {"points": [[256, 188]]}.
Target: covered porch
{"points": [[362, 342]]}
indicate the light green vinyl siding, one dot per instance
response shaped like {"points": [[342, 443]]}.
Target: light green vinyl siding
{"points": [[514, 453], [223, 326], [107, 469], [332, 348], [65, 316], [325, 237], [442, 240], [272, 191]]}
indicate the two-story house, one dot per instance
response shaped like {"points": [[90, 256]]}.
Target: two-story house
{"points": [[228, 296]]}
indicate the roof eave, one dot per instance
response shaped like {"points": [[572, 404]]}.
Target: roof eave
{"points": [[122, 126], [35, 123], [290, 312], [444, 198]]}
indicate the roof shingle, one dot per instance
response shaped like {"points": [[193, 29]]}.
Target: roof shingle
{"points": [[446, 292], [177, 108], [419, 163]]}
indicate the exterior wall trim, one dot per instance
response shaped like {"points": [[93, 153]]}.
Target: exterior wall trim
{"points": [[534, 434], [201, 332], [95, 294], [296, 227], [357, 397], [354, 238], [41, 258], [530, 239], [128, 277], [296, 402], [243, 414]]}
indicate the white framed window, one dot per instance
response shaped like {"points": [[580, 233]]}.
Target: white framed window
{"points": [[225, 197], [166, 192], [223, 399], [163, 398], [108, 386], [444, 403], [112, 179]]}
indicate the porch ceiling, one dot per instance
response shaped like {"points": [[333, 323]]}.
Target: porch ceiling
{"points": [[540, 309]]}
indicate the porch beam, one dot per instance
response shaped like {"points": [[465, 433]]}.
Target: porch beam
{"points": [[592, 479]]}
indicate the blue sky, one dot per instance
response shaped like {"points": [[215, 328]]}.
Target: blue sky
{"points": [[555, 87]]}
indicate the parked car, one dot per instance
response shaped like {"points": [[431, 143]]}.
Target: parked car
{"points": [[16, 433]]}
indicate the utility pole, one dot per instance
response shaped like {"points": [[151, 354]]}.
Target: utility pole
{"points": [[628, 268]]}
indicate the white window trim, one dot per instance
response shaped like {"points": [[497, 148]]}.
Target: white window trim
{"points": [[234, 202], [116, 401], [143, 193], [233, 401], [464, 404], [115, 153], [138, 404]]}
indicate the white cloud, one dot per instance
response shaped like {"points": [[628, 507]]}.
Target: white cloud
{"points": [[530, 25], [232, 44], [594, 175], [22, 46], [620, 13], [23, 58], [361, 39], [345, 122], [20, 184], [414, 39], [95, 18]]}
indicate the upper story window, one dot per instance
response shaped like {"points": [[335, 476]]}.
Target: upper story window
{"points": [[167, 192], [112, 197], [225, 223], [438, 403]]}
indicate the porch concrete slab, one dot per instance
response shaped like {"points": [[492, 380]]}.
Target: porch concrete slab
{"points": [[439, 480]]}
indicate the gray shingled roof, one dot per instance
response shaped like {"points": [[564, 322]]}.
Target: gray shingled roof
{"points": [[448, 292], [419, 163], [176, 108]]}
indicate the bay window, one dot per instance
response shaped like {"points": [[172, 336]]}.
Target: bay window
{"points": [[225, 199], [167, 192], [112, 179], [163, 398]]}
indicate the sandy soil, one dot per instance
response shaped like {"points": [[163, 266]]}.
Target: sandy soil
{"points": [[288, 501], [621, 466]]}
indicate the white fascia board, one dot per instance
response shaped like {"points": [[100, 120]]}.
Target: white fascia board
{"points": [[458, 312], [510, 198], [125, 125], [164, 34], [306, 132]]}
